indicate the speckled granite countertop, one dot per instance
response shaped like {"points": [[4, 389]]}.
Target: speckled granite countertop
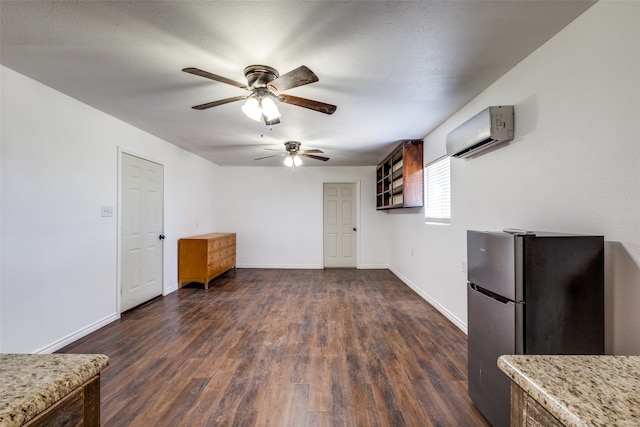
{"points": [[581, 390], [30, 383]]}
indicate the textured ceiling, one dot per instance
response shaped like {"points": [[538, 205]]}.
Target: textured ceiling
{"points": [[395, 69]]}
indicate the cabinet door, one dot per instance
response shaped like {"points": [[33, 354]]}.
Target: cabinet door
{"points": [[67, 412]]}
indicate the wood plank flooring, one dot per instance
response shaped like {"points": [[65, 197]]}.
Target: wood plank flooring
{"points": [[268, 347]]}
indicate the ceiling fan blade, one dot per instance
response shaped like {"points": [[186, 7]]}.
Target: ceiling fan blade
{"points": [[313, 150], [208, 75], [273, 155], [313, 156], [219, 102], [299, 77], [308, 103]]}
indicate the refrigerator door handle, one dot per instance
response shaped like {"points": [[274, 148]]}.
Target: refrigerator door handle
{"points": [[489, 294]]}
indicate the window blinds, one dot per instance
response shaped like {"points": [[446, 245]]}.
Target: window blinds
{"points": [[437, 184]]}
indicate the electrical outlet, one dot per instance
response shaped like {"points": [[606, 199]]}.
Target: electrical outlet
{"points": [[412, 252], [107, 211], [464, 266]]}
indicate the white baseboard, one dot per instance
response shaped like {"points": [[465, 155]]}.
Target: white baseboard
{"points": [[56, 345], [170, 289], [285, 266], [446, 313], [374, 267], [314, 267]]}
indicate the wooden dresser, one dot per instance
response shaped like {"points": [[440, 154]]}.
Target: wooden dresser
{"points": [[202, 258]]}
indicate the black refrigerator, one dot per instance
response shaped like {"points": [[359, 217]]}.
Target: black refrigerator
{"points": [[529, 293]]}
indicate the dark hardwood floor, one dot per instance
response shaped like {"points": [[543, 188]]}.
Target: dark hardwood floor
{"points": [[264, 347]]}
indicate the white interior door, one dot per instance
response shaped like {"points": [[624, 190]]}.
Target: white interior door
{"points": [[340, 227], [142, 231]]}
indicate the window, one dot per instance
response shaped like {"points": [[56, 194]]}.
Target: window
{"points": [[437, 187]]}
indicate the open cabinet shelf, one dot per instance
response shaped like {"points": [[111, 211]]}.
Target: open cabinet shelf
{"points": [[399, 178]]}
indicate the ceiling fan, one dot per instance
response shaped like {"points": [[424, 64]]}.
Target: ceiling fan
{"points": [[293, 154], [266, 86]]}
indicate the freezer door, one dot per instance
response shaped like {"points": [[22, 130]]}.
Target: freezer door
{"points": [[491, 333], [491, 262]]}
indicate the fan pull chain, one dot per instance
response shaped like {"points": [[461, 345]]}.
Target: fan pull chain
{"points": [[262, 128]]}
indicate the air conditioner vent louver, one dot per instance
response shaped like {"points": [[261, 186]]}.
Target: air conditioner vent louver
{"points": [[492, 126]]}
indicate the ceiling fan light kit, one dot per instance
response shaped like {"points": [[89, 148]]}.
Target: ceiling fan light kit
{"points": [[292, 160], [258, 108]]}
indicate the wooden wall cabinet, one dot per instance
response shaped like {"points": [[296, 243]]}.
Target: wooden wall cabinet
{"points": [[205, 257], [399, 178]]}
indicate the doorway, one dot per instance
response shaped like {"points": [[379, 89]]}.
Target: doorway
{"points": [[340, 225], [142, 220]]}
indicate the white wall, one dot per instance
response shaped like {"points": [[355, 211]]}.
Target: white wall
{"points": [[278, 215], [59, 165], [574, 167]]}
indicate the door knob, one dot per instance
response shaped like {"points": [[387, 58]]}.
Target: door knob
{"points": [[354, 229], [161, 237]]}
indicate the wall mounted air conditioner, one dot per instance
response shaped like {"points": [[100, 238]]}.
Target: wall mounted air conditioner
{"points": [[492, 126]]}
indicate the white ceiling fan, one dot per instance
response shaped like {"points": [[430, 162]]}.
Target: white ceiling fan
{"points": [[293, 155]]}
